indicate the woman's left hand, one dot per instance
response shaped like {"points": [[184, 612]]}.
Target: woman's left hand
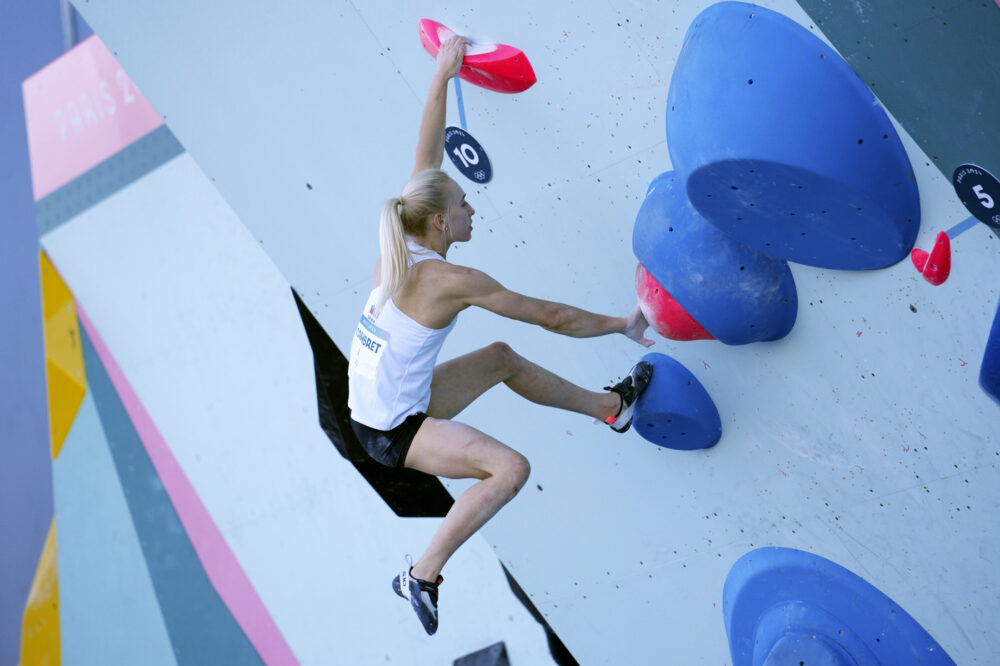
{"points": [[635, 327]]}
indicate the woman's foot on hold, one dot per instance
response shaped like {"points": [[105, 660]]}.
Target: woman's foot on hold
{"points": [[629, 390]]}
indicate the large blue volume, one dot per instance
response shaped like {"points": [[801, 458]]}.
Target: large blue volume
{"points": [[989, 372], [736, 293], [785, 606], [782, 146], [675, 411]]}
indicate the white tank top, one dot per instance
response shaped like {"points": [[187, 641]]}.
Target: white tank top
{"points": [[392, 359]]}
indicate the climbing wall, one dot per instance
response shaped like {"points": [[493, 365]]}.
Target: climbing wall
{"points": [[860, 435], [188, 457]]}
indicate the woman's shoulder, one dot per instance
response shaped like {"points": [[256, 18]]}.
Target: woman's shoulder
{"points": [[445, 277]]}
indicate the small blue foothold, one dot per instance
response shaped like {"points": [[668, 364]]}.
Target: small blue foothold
{"points": [[675, 411]]}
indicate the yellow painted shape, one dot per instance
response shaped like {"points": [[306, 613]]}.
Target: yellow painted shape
{"points": [[65, 376], [40, 642]]}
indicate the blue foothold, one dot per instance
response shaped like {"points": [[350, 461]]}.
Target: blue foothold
{"points": [[675, 411]]}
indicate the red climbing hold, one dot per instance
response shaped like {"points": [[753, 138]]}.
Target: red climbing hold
{"points": [[496, 67], [663, 313], [936, 266]]}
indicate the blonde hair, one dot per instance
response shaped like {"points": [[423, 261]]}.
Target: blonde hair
{"points": [[426, 194]]}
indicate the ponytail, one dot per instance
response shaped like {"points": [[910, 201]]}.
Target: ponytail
{"points": [[392, 245], [427, 193]]}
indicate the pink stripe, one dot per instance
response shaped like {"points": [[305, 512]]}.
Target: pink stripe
{"points": [[222, 567], [81, 109]]}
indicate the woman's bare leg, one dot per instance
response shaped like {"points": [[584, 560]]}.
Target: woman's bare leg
{"points": [[454, 450], [457, 451]]}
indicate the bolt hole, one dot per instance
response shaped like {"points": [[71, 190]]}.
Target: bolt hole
{"points": [[750, 82]]}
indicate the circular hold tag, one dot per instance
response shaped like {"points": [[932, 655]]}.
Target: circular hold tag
{"points": [[979, 192], [467, 155]]}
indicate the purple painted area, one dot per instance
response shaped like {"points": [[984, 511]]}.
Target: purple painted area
{"points": [[30, 36], [221, 565]]}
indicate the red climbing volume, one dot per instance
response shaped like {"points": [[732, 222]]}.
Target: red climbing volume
{"points": [[496, 67]]}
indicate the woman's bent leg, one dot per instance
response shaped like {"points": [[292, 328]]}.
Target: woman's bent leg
{"points": [[457, 451], [461, 380]]}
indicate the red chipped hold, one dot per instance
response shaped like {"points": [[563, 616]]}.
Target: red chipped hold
{"points": [[611, 420], [664, 314], [936, 266]]}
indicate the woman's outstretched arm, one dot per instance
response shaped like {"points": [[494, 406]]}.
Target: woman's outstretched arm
{"points": [[468, 287], [430, 145]]}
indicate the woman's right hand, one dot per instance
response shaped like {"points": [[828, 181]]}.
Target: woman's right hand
{"points": [[450, 55], [635, 327]]}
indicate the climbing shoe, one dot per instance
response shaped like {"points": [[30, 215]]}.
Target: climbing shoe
{"points": [[629, 389], [422, 595]]}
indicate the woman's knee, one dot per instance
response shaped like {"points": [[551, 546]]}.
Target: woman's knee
{"points": [[516, 470], [507, 360]]}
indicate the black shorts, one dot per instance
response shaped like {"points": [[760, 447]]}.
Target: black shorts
{"points": [[389, 447]]}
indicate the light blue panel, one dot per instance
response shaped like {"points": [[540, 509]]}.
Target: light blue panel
{"points": [[107, 605]]}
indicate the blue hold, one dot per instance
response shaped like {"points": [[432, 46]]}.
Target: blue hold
{"points": [[675, 411], [783, 147], [989, 372], [785, 606], [736, 293]]}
